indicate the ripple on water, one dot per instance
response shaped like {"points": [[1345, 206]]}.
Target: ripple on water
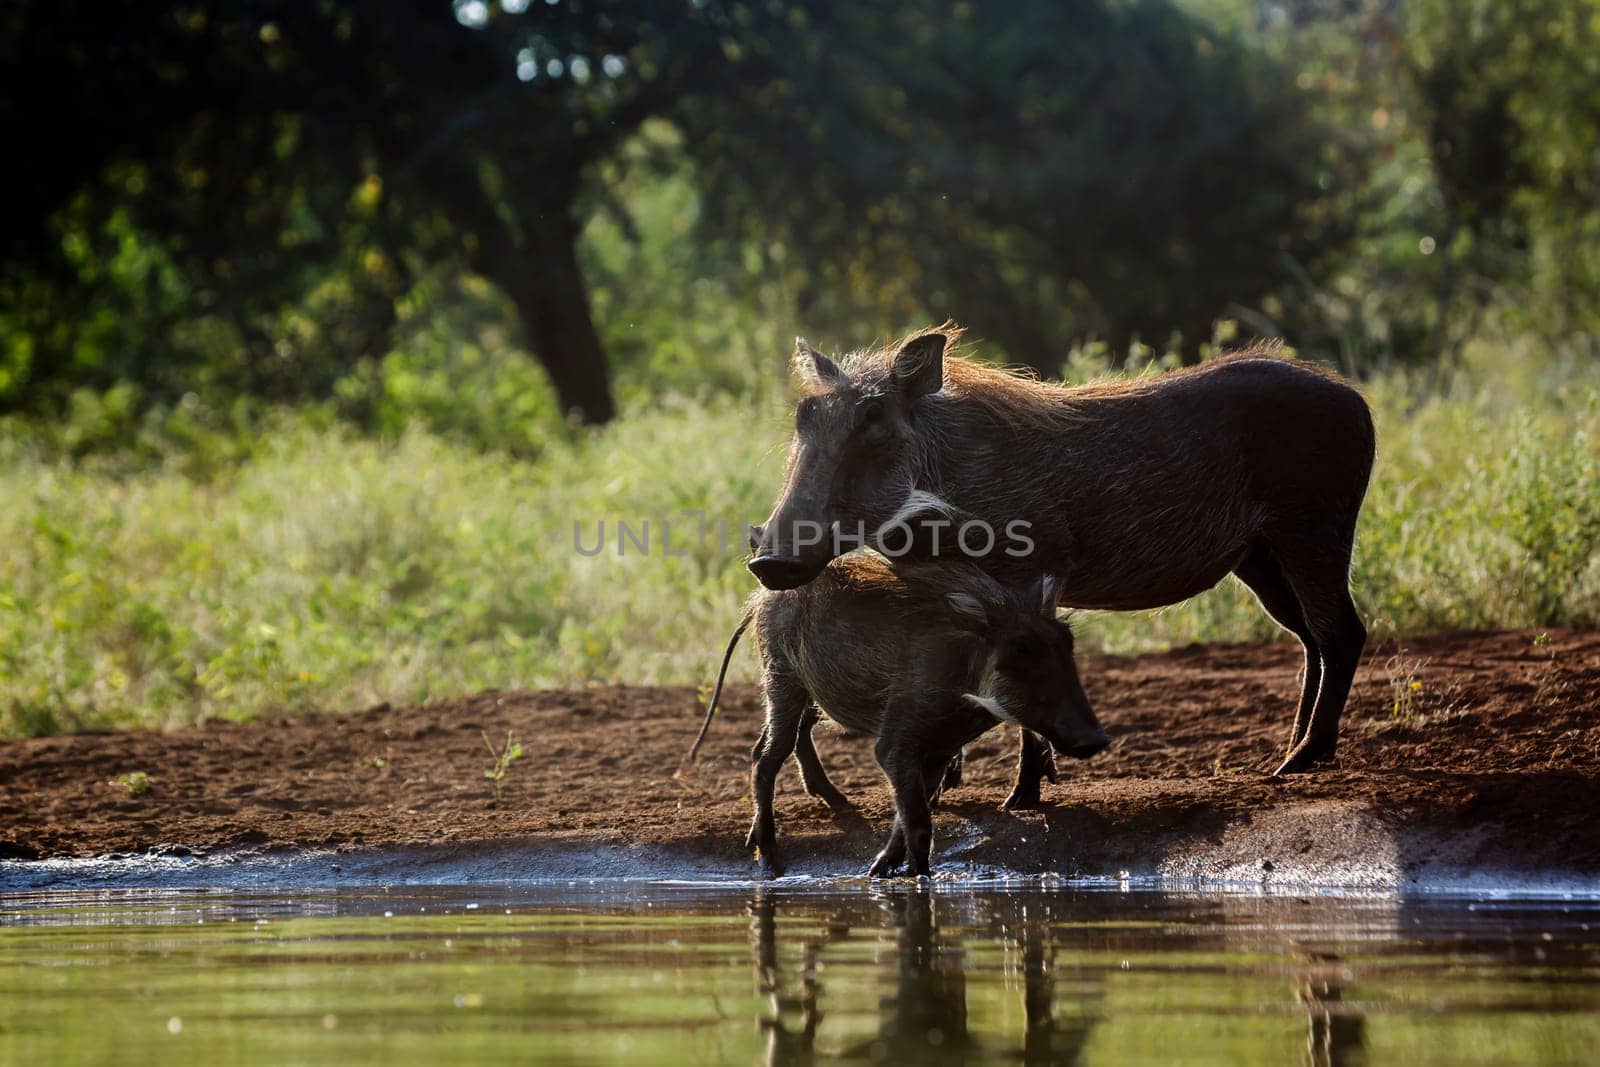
{"points": [[943, 971]]}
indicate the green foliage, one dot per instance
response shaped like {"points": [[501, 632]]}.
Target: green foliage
{"points": [[1036, 170], [1366, 179], [1516, 527], [251, 190], [503, 757], [136, 783], [274, 438], [1461, 135], [326, 570]]}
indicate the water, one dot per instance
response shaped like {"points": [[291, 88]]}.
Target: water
{"points": [[663, 974]]}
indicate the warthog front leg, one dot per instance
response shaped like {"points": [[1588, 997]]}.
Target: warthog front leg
{"points": [[786, 703], [812, 776], [893, 855], [1036, 761], [915, 775]]}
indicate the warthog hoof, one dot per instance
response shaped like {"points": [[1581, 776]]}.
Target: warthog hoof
{"points": [[770, 865], [832, 797], [883, 867], [1022, 799], [1303, 757]]}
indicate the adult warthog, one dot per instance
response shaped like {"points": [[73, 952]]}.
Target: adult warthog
{"points": [[1137, 493]]}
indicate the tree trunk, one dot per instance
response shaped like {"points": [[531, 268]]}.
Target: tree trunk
{"points": [[540, 274], [554, 306]]}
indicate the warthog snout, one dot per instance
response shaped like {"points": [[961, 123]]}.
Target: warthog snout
{"points": [[782, 572], [787, 554]]}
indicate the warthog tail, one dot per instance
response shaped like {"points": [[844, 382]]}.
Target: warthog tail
{"points": [[687, 766]]}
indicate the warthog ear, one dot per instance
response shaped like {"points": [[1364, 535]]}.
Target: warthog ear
{"points": [[814, 368], [1049, 593], [919, 365], [969, 607]]}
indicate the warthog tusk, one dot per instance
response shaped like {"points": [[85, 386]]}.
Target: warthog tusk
{"points": [[916, 501], [992, 706]]}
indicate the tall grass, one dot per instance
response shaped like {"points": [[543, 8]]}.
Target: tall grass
{"points": [[324, 570]]}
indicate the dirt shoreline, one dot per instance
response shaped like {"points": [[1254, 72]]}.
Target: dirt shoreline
{"points": [[1493, 764]]}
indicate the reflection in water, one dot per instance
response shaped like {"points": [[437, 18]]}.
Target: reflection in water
{"points": [[1337, 1037], [883, 974], [924, 1018], [783, 1044], [1045, 1039]]}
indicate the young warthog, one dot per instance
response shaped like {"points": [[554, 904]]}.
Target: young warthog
{"points": [[926, 657], [1036, 760], [1137, 493]]}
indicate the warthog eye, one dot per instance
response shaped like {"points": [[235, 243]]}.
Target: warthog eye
{"points": [[872, 411], [1024, 649]]}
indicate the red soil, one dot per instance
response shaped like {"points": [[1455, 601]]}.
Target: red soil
{"points": [[1498, 747]]}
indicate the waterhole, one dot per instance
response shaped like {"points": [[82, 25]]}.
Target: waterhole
{"points": [[585, 973]]}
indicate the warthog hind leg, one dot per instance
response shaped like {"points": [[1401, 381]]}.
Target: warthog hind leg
{"points": [[1321, 583], [954, 770], [1262, 576], [812, 776]]}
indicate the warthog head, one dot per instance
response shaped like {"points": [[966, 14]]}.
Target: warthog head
{"points": [[1030, 678], [853, 460]]}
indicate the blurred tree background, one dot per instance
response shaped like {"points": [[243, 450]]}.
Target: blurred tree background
{"points": [[491, 216], [323, 321]]}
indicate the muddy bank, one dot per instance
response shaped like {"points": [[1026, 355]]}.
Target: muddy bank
{"points": [[1490, 768]]}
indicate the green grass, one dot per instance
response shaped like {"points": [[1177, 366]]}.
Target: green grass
{"points": [[322, 570]]}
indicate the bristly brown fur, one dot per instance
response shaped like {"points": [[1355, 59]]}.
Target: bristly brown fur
{"points": [[869, 574], [1017, 395]]}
